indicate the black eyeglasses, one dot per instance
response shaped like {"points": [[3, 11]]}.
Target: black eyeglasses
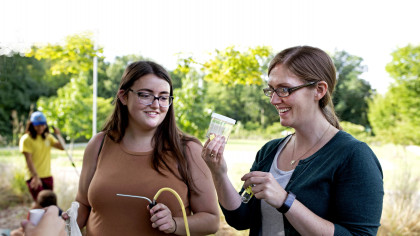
{"points": [[284, 91], [148, 98]]}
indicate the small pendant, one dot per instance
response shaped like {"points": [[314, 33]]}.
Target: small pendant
{"points": [[292, 162]]}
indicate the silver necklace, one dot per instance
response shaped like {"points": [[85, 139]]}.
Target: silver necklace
{"points": [[293, 161]]}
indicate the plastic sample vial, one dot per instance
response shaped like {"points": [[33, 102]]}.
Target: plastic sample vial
{"points": [[35, 215], [220, 125], [247, 194]]}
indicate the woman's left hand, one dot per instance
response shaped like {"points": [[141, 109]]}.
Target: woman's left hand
{"points": [[162, 218], [265, 187]]}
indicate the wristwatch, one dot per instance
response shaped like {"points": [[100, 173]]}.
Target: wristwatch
{"points": [[288, 203]]}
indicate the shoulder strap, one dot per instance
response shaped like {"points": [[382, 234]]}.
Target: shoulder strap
{"points": [[100, 148]]}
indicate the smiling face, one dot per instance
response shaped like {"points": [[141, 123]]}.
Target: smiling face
{"points": [[297, 108], [40, 128], [146, 117]]}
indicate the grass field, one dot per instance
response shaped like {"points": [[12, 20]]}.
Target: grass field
{"points": [[401, 213]]}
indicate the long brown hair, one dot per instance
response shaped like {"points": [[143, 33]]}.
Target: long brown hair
{"points": [[30, 129], [168, 139], [311, 64]]}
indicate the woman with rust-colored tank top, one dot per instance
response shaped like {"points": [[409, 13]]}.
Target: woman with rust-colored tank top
{"points": [[142, 151]]}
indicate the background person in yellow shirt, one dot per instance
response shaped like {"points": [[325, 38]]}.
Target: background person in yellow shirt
{"points": [[36, 145]]}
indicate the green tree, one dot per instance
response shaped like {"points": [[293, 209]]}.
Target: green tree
{"points": [[232, 85], [21, 84], [71, 109], [102, 78], [71, 106], [190, 110], [244, 103], [351, 93], [114, 72], [395, 115], [75, 56], [184, 67], [405, 64], [231, 67], [234, 82]]}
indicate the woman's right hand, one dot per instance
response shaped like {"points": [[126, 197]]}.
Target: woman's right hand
{"points": [[213, 155], [162, 219], [35, 182]]}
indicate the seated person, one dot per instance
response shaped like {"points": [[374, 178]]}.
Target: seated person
{"points": [[44, 199]]}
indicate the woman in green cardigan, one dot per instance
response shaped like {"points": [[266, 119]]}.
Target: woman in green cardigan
{"points": [[319, 180]]}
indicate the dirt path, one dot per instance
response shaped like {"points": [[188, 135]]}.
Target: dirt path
{"points": [[11, 217]]}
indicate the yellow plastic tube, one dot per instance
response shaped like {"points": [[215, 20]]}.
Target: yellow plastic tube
{"points": [[180, 203]]}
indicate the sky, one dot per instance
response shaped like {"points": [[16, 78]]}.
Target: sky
{"points": [[162, 29]]}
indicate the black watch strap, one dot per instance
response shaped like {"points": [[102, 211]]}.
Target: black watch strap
{"points": [[288, 203]]}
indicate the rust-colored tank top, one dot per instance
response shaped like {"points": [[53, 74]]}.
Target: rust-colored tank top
{"points": [[122, 171]]}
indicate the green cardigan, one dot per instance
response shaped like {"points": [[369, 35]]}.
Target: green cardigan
{"points": [[342, 182]]}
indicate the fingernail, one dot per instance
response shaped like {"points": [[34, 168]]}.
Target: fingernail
{"points": [[24, 222]]}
